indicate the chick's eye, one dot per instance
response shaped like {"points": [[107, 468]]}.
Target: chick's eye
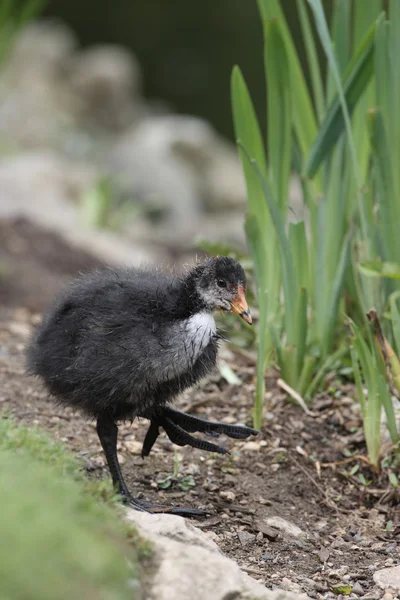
{"points": [[221, 283]]}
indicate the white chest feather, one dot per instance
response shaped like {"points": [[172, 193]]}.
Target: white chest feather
{"points": [[199, 330], [187, 340]]}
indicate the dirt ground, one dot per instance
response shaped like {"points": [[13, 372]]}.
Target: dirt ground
{"points": [[301, 468]]}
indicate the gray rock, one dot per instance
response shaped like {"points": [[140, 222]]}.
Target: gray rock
{"points": [[107, 82], [46, 188], [146, 170], [41, 46], [287, 529], [188, 564], [357, 589], [246, 538], [180, 166], [388, 578], [34, 105]]}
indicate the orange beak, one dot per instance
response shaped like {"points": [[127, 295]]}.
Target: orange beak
{"points": [[240, 307]]}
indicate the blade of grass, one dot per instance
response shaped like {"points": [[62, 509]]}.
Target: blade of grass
{"points": [[289, 278], [389, 204], [279, 112], [356, 79], [312, 58], [395, 314], [303, 113], [372, 416], [255, 240]]}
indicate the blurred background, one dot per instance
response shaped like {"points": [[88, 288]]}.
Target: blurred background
{"points": [[116, 127]]}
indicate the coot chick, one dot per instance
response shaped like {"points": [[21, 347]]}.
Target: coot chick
{"points": [[122, 343]]}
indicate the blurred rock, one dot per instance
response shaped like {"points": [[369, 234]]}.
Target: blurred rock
{"points": [[47, 188], [41, 47], [148, 172], [213, 160], [388, 579], [107, 83], [181, 166], [81, 115], [287, 529], [42, 186], [34, 105]]}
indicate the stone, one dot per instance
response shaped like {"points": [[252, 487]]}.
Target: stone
{"points": [[107, 82], [227, 495], [246, 538], [186, 563], [46, 188], [357, 589], [287, 528], [270, 533], [388, 579], [168, 164], [133, 446], [291, 586], [251, 446]]}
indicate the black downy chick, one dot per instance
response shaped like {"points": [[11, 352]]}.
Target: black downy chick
{"points": [[121, 344]]}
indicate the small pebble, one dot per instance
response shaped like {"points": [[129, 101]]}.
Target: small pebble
{"points": [[227, 495], [133, 446], [251, 446], [268, 557], [357, 589], [246, 538]]}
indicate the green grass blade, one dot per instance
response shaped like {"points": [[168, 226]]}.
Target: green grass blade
{"points": [[326, 42], [357, 378], [289, 278], [312, 58], [306, 374], [302, 326], [323, 370], [303, 113], [389, 205], [395, 314], [340, 34], [389, 410], [377, 268], [372, 416], [255, 239], [357, 78], [299, 249], [279, 112], [335, 294], [248, 133]]}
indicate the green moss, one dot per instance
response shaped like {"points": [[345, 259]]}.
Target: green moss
{"points": [[61, 535]]}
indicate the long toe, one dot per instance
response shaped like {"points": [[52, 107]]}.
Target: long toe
{"points": [[135, 504], [150, 438], [214, 434], [180, 437], [237, 431], [182, 511], [193, 424]]}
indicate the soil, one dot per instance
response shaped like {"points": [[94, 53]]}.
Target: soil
{"points": [[302, 467]]}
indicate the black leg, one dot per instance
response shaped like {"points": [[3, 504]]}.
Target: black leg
{"points": [[180, 437], [192, 424], [107, 431], [150, 438]]}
